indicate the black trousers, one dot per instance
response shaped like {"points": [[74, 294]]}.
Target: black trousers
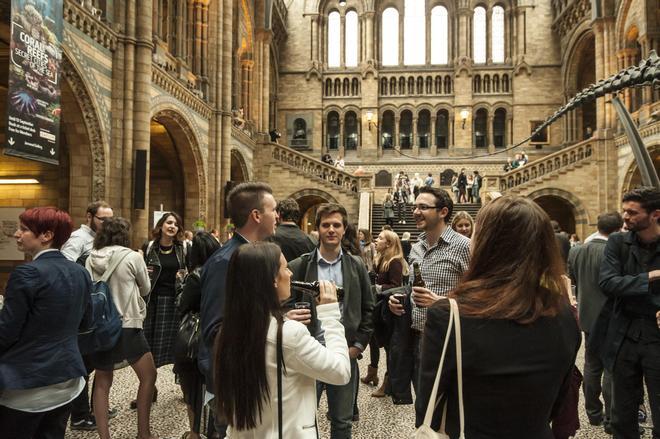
{"points": [[638, 361], [15, 424], [597, 381], [403, 364]]}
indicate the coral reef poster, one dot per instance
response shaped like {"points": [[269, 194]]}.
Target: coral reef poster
{"points": [[33, 113]]}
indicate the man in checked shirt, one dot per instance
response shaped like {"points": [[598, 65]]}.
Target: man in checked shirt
{"points": [[443, 255]]}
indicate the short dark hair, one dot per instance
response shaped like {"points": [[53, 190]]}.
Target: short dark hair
{"points": [[244, 198], [93, 208], [609, 222], [326, 209], [203, 246], [115, 231], [288, 210], [43, 219], [157, 231], [647, 197], [555, 226], [442, 199]]}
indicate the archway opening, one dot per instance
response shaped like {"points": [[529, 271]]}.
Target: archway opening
{"points": [[635, 177], [309, 204], [238, 172], [559, 210], [166, 182]]}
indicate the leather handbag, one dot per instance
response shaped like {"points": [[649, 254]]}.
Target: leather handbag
{"points": [[425, 431], [186, 343]]}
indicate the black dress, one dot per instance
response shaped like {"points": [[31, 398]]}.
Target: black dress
{"points": [[513, 375]]}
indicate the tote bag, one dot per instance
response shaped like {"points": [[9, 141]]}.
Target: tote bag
{"points": [[425, 431]]}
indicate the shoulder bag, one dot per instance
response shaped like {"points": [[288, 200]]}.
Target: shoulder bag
{"points": [[425, 431]]}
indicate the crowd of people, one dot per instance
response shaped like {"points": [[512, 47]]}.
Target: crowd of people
{"points": [[497, 312]]}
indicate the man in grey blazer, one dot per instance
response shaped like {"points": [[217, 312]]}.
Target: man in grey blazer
{"points": [[584, 266], [329, 262]]}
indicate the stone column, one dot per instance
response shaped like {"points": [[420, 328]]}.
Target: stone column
{"points": [[267, 37], [450, 134], [414, 141], [314, 19], [226, 65], [122, 114], [342, 145], [433, 132], [489, 37], [401, 32], [489, 133], [342, 40], [142, 101], [396, 142], [369, 44]]}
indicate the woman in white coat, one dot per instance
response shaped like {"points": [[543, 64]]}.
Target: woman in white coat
{"points": [[246, 363]]}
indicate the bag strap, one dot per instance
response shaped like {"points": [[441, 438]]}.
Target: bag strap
{"points": [[459, 366], [114, 262], [433, 399], [280, 361]]}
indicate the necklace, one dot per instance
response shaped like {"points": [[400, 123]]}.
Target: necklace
{"points": [[165, 251]]}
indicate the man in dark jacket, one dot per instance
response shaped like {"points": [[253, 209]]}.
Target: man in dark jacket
{"points": [[584, 266], [329, 262], [630, 275], [252, 209], [293, 241], [562, 240]]}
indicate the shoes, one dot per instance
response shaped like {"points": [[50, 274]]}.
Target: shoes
{"points": [[155, 397], [85, 424], [641, 414], [356, 417], [402, 401], [382, 390], [371, 377], [607, 428], [596, 421]]}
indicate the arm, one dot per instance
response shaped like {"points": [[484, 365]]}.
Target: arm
{"points": [[141, 274], [191, 296], [212, 303], [435, 331], [19, 298], [612, 280], [72, 248], [329, 364]]}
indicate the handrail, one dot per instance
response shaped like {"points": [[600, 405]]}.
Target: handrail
{"points": [[546, 165], [318, 170]]}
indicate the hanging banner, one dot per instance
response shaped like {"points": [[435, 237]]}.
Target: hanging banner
{"points": [[33, 111]]}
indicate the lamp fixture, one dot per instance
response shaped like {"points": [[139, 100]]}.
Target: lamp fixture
{"points": [[370, 119], [342, 3], [18, 180], [465, 113]]}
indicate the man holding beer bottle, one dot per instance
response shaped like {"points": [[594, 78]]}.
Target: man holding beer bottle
{"points": [[440, 256]]}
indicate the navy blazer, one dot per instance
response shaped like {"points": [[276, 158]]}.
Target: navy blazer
{"points": [[212, 307], [43, 307]]}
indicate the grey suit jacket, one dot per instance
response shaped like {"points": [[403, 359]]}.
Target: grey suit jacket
{"points": [[584, 267]]}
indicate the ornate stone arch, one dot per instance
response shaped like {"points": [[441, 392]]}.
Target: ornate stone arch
{"points": [[579, 211], [191, 156], [314, 193], [570, 62], [97, 138], [631, 167], [240, 160]]}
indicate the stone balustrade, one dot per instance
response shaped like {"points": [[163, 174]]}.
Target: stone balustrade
{"points": [[164, 80], [547, 165], [318, 170], [88, 21]]}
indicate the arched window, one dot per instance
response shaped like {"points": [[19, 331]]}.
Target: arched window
{"points": [[429, 85], [334, 39], [438, 85], [423, 128], [447, 85], [333, 130], [346, 88], [402, 85], [355, 87], [476, 84], [405, 129], [479, 35], [383, 86], [393, 86], [351, 131], [497, 34], [505, 83], [351, 44], [411, 85], [486, 87], [414, 33], [328, 87], [480, 128], [390, 37], [496, 83], [337, 87], [499, 128], [442, 128], [420, 85], [439, 33], [387, 141]]}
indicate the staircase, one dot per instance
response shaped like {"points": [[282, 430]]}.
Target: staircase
{"points": [[378, 221]]}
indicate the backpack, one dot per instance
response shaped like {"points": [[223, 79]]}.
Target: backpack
{"points": [[105, 322]]}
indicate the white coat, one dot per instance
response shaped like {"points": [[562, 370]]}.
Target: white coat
{"points": [[306, 361]]}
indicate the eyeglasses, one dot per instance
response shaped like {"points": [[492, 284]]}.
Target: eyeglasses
{"points": [[422, 207], [101, 218]]}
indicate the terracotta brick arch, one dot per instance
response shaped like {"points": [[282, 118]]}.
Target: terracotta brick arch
{"points": [[191, 158]]}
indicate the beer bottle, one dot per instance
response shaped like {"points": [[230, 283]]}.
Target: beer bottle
{"points": [[418, 281]]}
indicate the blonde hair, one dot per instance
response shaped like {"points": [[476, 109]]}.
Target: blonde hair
{"points": [[391, 253], [462, 215]]}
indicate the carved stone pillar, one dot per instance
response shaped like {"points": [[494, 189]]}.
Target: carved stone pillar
{"points": [[433, 141], [489, 38], [414, 140], [397, 138], [314, 18], [369, 43]]}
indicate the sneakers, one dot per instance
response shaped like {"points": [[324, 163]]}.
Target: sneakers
{"points": [[85, 424]]}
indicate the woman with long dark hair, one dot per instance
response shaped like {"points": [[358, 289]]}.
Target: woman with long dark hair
{"points": [[129, 283], [246, 352], [190, 377], [519, 336], [165, 257]]}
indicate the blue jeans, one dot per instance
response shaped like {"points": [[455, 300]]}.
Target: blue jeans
{"points": [[340, 404]]}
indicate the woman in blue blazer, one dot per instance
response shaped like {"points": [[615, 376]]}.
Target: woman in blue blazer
{"points": [[41, 370]]}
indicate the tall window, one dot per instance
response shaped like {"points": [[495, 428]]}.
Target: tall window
{"points": [[414, 36], [351, 43], [479, 35], [439, 34], [333, 130], [390, 39], [498, 34], [333, 39]]}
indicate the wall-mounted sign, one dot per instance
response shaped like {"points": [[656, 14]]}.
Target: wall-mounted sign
{"points": [[33, 112]]}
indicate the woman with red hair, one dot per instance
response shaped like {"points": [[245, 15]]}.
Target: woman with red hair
{"points": [[41, 370]]}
